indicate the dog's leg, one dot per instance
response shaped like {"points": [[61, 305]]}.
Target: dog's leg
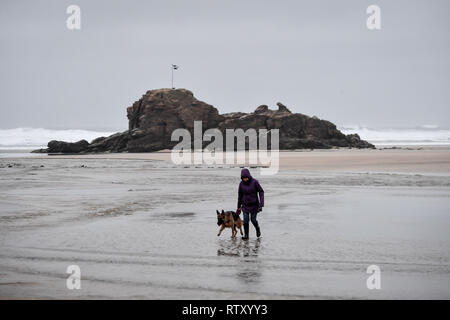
{"points": [[240, 228], [221, 229]]}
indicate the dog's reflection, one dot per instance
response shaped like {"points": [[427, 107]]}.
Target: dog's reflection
{"points": [[239, 248]]}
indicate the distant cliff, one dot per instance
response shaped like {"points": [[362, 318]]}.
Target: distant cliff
{"points": [[154, 117]]}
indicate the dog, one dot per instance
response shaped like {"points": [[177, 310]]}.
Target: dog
{"points": [[229, 219]]}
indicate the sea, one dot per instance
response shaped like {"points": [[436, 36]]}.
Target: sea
{"points": [[424, 135], [23, 140]]}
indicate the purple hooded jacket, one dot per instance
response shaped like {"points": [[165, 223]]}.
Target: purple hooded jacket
{"points": [[248, 193]]}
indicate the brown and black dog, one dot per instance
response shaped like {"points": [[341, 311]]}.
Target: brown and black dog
{"points": [[229, 219]]}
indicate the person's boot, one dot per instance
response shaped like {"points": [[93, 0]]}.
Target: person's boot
{"points": [[246, 228], [258, 231]]}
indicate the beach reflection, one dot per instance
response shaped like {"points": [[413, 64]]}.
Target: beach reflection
{"points": [[248, 269], [239, 247]]}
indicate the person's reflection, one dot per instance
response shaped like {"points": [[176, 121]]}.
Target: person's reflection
{"points": [[249, 269], [237, 247], [249, 250]]}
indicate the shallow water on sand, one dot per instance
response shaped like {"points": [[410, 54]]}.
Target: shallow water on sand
{"points": [[147, 229]]}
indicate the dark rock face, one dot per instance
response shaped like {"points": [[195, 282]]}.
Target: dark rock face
{"points": [[114, 143], [65, 147], [154, 117]]}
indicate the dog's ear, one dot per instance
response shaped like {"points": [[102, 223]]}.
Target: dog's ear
{"points": [[223, 211], [217, 211]]}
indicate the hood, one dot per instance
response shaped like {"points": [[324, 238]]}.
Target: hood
{"points": [[245, 173]]}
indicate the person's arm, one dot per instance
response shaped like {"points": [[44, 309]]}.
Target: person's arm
{"points": [[239, 197], [260, 191]]}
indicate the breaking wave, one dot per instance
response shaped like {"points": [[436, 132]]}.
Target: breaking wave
{"points": [[422, 135], [34, 138]]}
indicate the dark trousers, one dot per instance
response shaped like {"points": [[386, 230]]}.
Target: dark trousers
{"points": [[250, 216]]}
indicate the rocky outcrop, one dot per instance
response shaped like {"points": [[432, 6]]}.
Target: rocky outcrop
{"points": [[65, 147], [114, 143], [153, 118]]}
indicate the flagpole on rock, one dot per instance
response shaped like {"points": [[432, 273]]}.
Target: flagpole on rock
{"points": [[174, 67]]}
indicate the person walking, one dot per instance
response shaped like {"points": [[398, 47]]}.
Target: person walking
{"points": [[249, 202]]}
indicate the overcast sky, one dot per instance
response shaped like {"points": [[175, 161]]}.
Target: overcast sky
{"points": [[316, 57]]}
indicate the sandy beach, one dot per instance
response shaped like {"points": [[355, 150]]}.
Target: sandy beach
{"points": [[139, 226], [419, 159]]}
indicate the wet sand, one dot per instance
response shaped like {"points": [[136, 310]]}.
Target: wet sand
{"points": [[141, 227], [417, 159]]}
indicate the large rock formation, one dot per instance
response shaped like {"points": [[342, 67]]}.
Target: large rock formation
{"points": [[154, 117]]}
